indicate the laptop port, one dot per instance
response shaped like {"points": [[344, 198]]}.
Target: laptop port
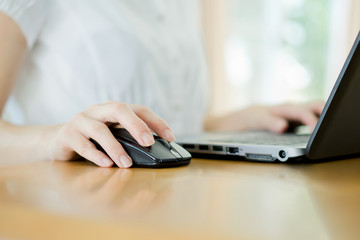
{"points": [[259, 157], [282, 154], [217, 148], [232, 150], [203, 147], [188, 146]]}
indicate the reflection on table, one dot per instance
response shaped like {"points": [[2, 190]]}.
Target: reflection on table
{"points": [[209, 199]]}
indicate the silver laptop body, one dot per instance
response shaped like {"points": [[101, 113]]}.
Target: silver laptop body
{"points": [[255, 146]]}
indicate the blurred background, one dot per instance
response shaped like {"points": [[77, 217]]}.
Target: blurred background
{"points": [[269, 52]]}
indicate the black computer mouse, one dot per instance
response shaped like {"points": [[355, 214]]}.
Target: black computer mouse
{"points": [[160, 154]]}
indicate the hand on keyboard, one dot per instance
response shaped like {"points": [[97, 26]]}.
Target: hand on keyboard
{"points": [[278, 119]]}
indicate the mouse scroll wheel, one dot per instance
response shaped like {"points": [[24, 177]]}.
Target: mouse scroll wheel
{"points": [[165, 143]]}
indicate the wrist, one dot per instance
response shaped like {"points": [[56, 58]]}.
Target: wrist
{"points": [[47, 142]]}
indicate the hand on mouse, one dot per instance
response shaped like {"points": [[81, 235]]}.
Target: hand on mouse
{"points": [[72, 139], [268, 118]]}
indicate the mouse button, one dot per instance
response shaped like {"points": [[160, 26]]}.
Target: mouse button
{"points": [[136, 146], [160, 151], [183, 153], [165, 143], [136, 150], [175, 153], [122, 133]]}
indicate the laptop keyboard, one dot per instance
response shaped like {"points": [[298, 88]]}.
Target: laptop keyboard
{"points": [[261, 138]]}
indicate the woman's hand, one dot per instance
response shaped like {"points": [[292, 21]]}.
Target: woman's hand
{"points": [[72, 139], [277, 119]]}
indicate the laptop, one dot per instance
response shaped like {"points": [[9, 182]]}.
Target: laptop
{"points": [[337, 133]]}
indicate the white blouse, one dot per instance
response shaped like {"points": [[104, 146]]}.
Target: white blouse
{"points": [[84, 52]]}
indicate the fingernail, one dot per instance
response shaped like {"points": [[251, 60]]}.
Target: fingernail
{"points": [[106, 162], [148, 139], [125, 161], [169, 135]]}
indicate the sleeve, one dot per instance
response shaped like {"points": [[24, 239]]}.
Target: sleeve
{"points": [[30, 15]]}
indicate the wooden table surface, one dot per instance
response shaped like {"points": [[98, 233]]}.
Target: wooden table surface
{"points": [[209, 199]]}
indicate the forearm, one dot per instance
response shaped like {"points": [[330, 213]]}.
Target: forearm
{"points": [[12, 53], [17, 143], [25, 143]]}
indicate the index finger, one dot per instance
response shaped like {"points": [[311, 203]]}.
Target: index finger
{"points": [[155, 122], [114, 112]]}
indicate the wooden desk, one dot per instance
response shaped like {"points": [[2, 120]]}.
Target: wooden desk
{"points": [[209, 199]]}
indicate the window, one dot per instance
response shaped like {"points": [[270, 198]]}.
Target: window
{"points": [[276, 51]]}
